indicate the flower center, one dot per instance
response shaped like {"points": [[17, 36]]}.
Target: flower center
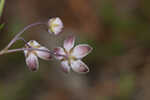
{"points": [[70, 58]]}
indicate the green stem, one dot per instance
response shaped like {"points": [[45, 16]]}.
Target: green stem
{"points": [[2, 2]]}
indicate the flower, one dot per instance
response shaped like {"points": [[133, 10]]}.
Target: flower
{"points": [[32, 55], [55, 25], [71, 56]]}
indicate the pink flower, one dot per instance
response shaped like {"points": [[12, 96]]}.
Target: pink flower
{"points": [[55, 25], [71, 56], [32, 55]]}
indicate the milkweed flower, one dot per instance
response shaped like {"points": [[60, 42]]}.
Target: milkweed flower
{"points": [[32, 55], [55, 25], [71, 57]]}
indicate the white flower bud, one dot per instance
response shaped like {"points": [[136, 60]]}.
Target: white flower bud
{"points": [[55, 25]]}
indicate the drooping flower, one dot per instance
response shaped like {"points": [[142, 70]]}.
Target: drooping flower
{"points": [[55, 25], [71, 57], [32, 55]]}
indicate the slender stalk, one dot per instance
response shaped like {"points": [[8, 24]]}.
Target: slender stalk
{"points": [[21, 32], [22, 49], [29, 49], [21, 38]]}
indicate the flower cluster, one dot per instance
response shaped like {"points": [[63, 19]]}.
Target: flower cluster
{"points": [[69, 55]]}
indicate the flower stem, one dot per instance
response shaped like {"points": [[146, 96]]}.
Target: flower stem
{"points": [[21, 32], [23, 49]]}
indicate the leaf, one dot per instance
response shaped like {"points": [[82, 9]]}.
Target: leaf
{"points": [[2, 2]]}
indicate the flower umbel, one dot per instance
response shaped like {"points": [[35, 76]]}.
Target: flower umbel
{"points": [[32, 55], [55, 25], [70, 56], [73, 55]]}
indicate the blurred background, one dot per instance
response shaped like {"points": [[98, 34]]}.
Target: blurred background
{"points": [[118, 30]]}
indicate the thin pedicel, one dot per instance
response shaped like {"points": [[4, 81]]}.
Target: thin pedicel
{"points": [[22, 31]]}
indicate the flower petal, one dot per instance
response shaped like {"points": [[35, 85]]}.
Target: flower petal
{"points": [[55, 25], [58, 52], [43, 55], [32, 62], [79, 66], [26, 52], [81, 50], [69, 43], [65, 66]]}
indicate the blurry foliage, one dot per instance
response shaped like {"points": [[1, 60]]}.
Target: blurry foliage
{"points": [[117, 64], [1, 26], [2, 3], [127, 86]]}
